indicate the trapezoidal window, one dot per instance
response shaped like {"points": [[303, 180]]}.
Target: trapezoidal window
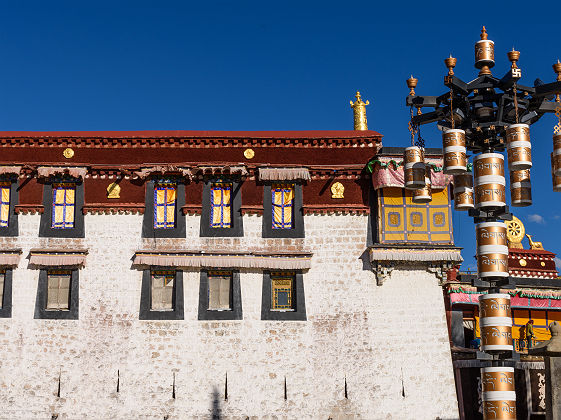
{"points": [[282, 291], [282, 206], [165, 198], [58, 290], [64, 206], [219, 290], [162, 290], [221, 205], [5, 190]]}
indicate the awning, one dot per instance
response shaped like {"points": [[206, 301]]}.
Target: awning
{"points": [[9, 170], [240, 170], [413, 254], [9, 257], [520, 298], [73, 171], [145, 172], [273, 261], [54, 257], [284, 174], [389, 173]]}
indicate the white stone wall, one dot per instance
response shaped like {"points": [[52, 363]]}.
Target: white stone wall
{"points": [[387, 341]]}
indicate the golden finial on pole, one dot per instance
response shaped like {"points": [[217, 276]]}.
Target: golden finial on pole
{"points": [[359, 110], [450, 63], [484, 54], [557, 69], [412, 84], [513, 57]]}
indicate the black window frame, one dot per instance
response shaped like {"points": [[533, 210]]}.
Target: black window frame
{"points": [[235, 313], [298, 313], [73, 311], [236, 228], [6, 309], [12, 228], [45, 227], [146, 313], [298, 213], [148, 230]]}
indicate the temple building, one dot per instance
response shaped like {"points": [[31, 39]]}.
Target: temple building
{"points": [[191, 274], [535, 300]]}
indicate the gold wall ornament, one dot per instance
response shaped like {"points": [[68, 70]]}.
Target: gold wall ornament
{"points": [[113, 190], [523, 262], [359, 111], [534, 245], [337, 190], [249, 153], [515, 232], [68, 153]]}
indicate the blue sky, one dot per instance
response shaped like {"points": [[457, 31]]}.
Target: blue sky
{"points": [[125, 65]]}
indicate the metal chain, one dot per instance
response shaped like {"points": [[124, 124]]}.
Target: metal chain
{"points": [[412, 128], [451, 109], [515, 101]]}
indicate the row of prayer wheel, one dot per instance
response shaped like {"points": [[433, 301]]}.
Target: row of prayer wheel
{"points": [[498, 393]]}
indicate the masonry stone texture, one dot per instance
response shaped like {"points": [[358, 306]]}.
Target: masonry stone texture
{"points": [[388, 343]]}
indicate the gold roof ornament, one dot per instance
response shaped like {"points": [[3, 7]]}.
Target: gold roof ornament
{"points": [[515, 232], [359, 110]]}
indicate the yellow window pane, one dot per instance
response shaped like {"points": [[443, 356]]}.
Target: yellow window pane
{"points": [[171, 195], [70, 195], [216, 212], [69, 214], [287, 215], [278, 198], [4, 212], [5, 194], [226, 216], [59, 213], [160, 211], [59, 196], [278, 214], [160, 196], [288, 196], [216, 197], [170, 214], [226, 197]]}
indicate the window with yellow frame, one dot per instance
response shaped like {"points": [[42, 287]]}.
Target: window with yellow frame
{"points": [[221, 205], [64, 206], [283, 206], [282, 291], [5, 188], [165, 197]]}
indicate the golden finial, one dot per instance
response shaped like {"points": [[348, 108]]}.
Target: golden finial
{"points": [[484, 54], [513, 57], [483, 33], [412, 84], [450, 63], [359, 111], [557, 69]]}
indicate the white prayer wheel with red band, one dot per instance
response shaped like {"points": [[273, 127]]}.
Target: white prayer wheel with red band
{"points": [[463, 198], [497, 379], [557, 153], [492, 261], [424, 195], [496, 334], [494, 305], [499, 407], [488, 164], [454, 149], [414, 167], [519, 148], [490, 191], [556, 179]]}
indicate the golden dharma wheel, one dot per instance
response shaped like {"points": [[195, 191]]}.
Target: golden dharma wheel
{"points": [[495, 379], [515, 231]]}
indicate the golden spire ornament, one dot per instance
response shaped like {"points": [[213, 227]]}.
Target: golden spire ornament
{"points": [[450, 64], [359, 110], [484, 54]]}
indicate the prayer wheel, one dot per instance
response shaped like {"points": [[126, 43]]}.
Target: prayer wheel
{"points": [[424, 195], [494, 305], [520, 188], [454, 149], [499, 407], [463, 191], [489, 164], [496, 334], [492, 261], [484, 53], [519, 148], [414, 168], [497, 379], [490, 192], [556, 179], [557, 153]]}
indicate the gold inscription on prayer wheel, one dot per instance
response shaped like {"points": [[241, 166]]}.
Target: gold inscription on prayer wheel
{"points": [[497, 335], [491, 233], [490, 194], [494, 305], [489, 164], [463, 198], [499, 410], [492, 265], [497, 379]]}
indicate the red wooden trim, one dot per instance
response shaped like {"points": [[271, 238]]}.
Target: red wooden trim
{"points": [[192, 209], [252, 210], [113, 208], [336, 208], [29, 209]]}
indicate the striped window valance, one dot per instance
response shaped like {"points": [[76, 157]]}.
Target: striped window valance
{"points": [[73, 171], [55, 257], [284, 174], [9, 257], [198, 259]]}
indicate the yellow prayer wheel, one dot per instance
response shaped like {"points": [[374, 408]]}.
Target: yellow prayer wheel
{"points": [[494, 305], [556, 179], [489, 164], [519, 148], [496, 334], [496, 408], [454, 149], [484, 53], [414, 168], [497, 379], [557, 153], [424, 195], [489, 192]]}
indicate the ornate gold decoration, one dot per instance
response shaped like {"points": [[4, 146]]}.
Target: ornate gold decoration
{"points": [[534, 245], [113, 190], [249, 153], [542, 264], [337, 190], [412, 84], [394, 219], [438, 219], [359, 111], [68, 153], [522, 262], [450, 64], [515, 233], [557, 69]]}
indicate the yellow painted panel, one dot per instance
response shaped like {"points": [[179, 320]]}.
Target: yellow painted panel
{"points": [[416, 219], [554, 316], [539, 318], [440, 197], [440, 237], [392, 196], [418, 237], [409, 197], [393, 237], [441, 216], [520, 316], [393, 219]]}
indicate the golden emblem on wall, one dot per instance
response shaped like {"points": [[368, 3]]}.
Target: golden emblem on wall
{"points": [[249, 153], [68, 153], [439, 219], [337, 190], [113, 190], [523, 262], [515, 233]]}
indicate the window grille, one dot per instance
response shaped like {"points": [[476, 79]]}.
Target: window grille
{"points": [[282, 289], [220, 205], [64, 203], [283, 205], [164, 206]]}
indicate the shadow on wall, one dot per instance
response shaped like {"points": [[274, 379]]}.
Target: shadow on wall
{"points": [[216, 410]]}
